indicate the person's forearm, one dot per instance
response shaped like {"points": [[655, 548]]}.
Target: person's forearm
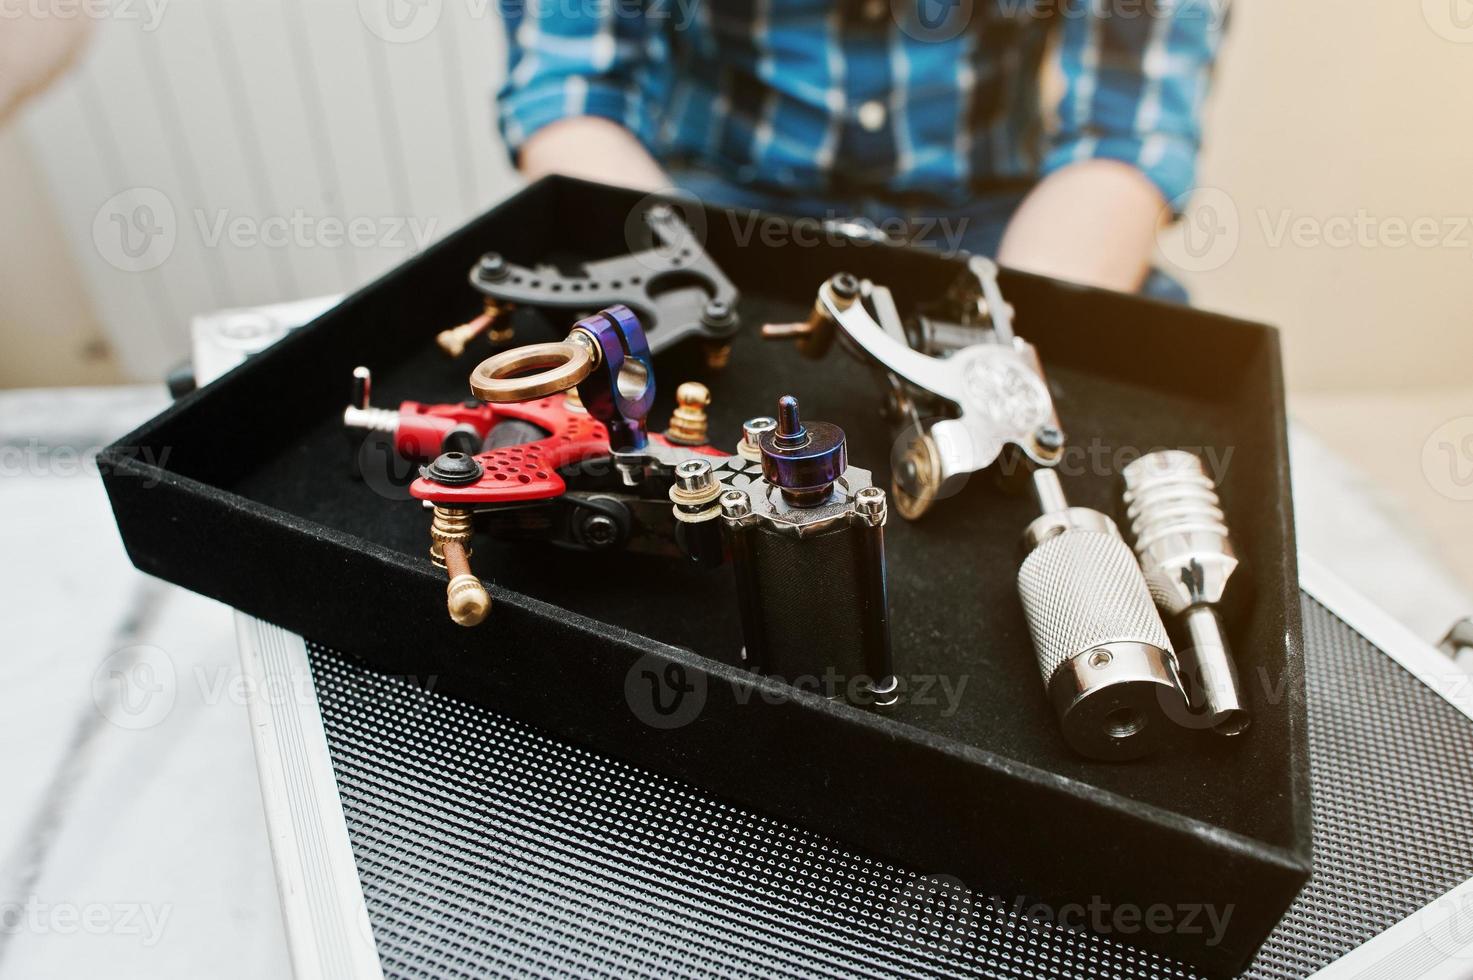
{"points": [[1092, 222], [592, 148]]}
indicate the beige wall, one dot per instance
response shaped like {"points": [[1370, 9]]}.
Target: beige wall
{"points": [[1334, 109], [1336, 118]]}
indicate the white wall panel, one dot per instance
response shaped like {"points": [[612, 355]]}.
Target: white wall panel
{"points": [[476, 29], [242, 135], [270, 99]]}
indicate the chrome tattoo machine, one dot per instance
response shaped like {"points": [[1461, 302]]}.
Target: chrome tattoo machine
{"points": [[964, 390], [805, 532], [1182, 539], [1102, 649]]}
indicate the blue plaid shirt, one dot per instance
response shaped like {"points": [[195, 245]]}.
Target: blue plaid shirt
{"points": [[930, 97]]}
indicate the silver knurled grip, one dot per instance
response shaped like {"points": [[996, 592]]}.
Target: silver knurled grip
{"points": [[1081, 590], [1102, 649]]}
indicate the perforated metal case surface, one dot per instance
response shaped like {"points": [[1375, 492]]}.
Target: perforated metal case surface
{"points": [[487, 848]]}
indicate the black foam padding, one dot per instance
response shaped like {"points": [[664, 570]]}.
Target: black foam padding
{"points": [[488, 848], [257, 505]]}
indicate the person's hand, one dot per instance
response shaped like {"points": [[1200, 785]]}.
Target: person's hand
{"points": [[1092, 222], [592, 148]]}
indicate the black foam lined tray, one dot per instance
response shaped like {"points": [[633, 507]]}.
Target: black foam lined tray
{"points": [[257, 506]]}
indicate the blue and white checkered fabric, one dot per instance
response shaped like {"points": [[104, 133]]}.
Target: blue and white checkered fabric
{"points": [[932, 97]]}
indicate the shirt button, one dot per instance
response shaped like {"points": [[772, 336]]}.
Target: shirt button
{"points": [[874, 10], [872, 115]]}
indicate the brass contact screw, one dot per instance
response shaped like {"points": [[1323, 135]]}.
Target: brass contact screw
{"points": [[815, 334], [454, 340], [450, 535], [718, 356], [500, 335], [688, 421]]}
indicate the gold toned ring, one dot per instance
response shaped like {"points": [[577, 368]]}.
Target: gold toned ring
{"points": [[566, 364]]}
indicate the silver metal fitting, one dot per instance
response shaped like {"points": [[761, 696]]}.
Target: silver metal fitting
{"points": [[870, 502], [885, 692], [735, 505], [360, 413], [695, 491], [1181, 537], [1109, 699], [694, 477], [752, 432], [371, 419]]}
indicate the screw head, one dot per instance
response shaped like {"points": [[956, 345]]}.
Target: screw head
{"points": [[735, 505], [453, 469], [754, 429], [694, 474], [870, 501], [846, 285], [600, 530], [1049, 438], [492, 266], [717, 313]]}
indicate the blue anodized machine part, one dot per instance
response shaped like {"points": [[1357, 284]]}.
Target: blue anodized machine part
{"points": [[620, 391]]}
